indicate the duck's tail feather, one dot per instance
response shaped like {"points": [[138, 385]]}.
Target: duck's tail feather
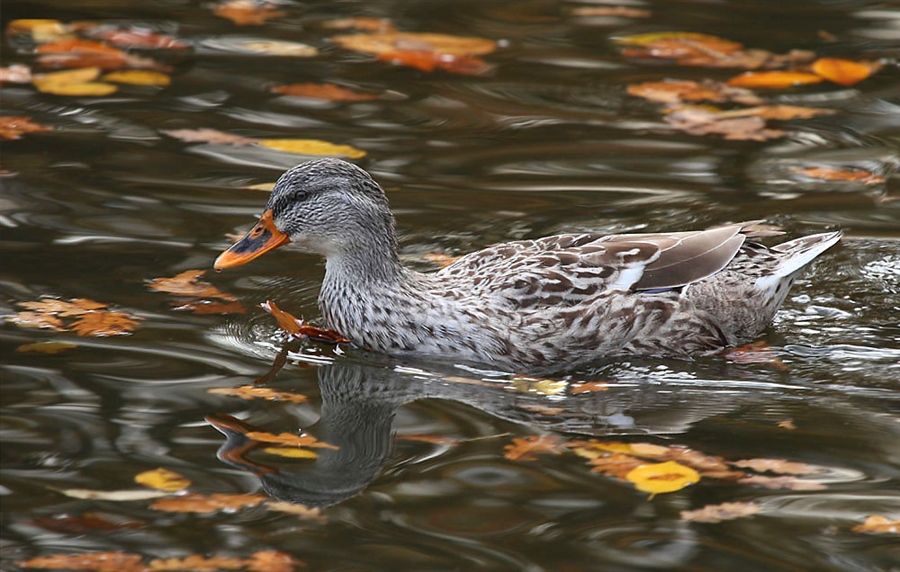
{"points": [[795, 256]]}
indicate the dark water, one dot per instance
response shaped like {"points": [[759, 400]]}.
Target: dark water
{"points": [[549, 141]]}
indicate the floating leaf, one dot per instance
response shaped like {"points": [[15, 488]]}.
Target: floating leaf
{"points": [[208, 136], [528, 448], [298, 327], [539, 386], [430, 438], [382, 25], [291, 452], [280, 48], [312, 147], [37, 320], [307, 513], [440, 259], [247, 12], [590, 387], [254, 392], [118, 496], [785, 482], [203, 307], [90, 89], [662, 477], [773, 79], [541, 409], [14, 127], [105, 323], [62, 308], [272, 561], [690, 39], [877, 524], [720, 512], [756, 352], [836, 174], [69, 76], [672, 91], [406, 41], [195, 563], [787, 424], [138, 77], [200, 503], [429, 61], [611, 11], [163, 480], [139, 38], [699, 121], [83, 523], [617, 465], [779, 466], [97, 561], [28, 24], [15, 73], [326, 91], [187, 284], [46, 348], [79, 46], [289, 439], [843, 72]]}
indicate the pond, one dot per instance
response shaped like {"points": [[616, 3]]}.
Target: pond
{"points": [[343, 459]]}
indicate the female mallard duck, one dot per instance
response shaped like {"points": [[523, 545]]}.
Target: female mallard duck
{"points": [[545, 304]]}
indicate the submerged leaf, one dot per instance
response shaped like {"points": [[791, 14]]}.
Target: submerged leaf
{"points": [[720, 512]]}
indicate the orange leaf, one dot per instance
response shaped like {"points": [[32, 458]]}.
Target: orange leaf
{"points": [[139, 38], [773, 79], [37, 320], [195, 563], [877, 524], [415, 42], [200, 503], [272, 561], [74, 307], [382, 25], [186, 284], [104, 323], [843, 72], [299, 327], [326, 91], [96, 561], [289, 439], [247, 12], [14, 127], [79, 46], [529, 448], [590, 387], [617, 465], [834, 174]]}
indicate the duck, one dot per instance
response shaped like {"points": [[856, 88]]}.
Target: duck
{"points": [[546, 304]]}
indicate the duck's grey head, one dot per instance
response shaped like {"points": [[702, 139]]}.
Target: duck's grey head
{"points": [[328, 206]]}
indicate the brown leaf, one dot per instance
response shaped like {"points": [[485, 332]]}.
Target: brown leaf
{"points": [[415, 42], [195, 563], [196, 502], [326, 91], [46, 348], [298, 327], [208, 136], [428, 61], [877, 524], [14, 127], [529, 448], [96, 561], [720, 512], [187, 284], [756, 352], [835, 174], [247, 12], [590, 387], [83, 523], [105, 323], [272, 561], [439, 259], [79, 46], [307, 513], [787, 424], [253, 392], [63, 309], [289, 439], [786, 482], [382, 25], [843, 72], [541, 409], [698, 121], [37, 320], [616, 465], [779, 466]]}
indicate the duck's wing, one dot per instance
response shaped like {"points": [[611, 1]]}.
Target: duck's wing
{"points": [[567, 269]]}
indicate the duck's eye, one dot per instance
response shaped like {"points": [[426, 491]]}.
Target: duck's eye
{"points": [[298, 195]]}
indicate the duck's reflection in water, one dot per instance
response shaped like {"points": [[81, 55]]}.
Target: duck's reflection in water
{"points": [[359, 403]]}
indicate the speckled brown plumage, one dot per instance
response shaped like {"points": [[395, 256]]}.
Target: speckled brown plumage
{"points": [[548, 304]]}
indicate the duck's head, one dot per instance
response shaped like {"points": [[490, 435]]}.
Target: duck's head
{"points": [[327, 206]]}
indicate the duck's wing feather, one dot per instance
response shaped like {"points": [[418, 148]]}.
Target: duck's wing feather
{"points": [[567, 269]]}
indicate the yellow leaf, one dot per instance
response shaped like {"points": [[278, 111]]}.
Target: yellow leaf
{"points": [[291, 452], [77, 89], [79, 75], [528, 384], [163, 480], [662, 477], [47, 348], [27, 24], [312, 147], [138, 77], [278, 48], [704, 39]]}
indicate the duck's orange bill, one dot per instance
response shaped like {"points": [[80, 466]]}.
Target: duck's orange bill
{"points": [[262, 238]]}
